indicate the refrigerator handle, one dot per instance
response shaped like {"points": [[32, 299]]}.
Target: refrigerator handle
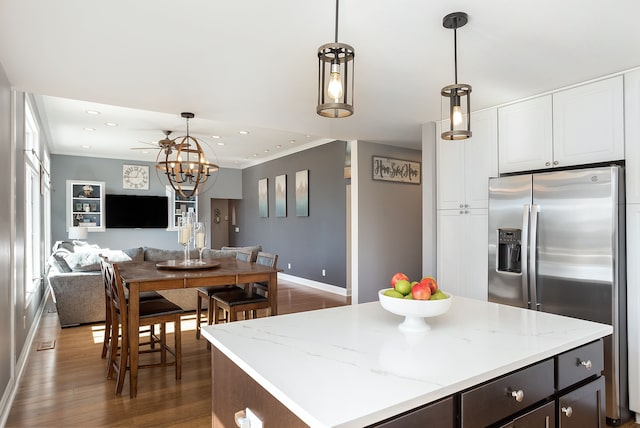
{"points": [[524, 255], [535, 209]]}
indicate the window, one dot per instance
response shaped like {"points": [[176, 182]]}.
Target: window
{"points": [[33, 259]]}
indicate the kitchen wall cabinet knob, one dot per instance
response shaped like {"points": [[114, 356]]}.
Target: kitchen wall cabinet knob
{"points": [[461, 212], [466, 211], [518, 395], [567, 411], [466, 205], [461, 206], [586, 364], [547, 164], [555, 162]]}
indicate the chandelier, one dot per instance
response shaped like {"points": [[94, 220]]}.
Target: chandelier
{"points": [[185, 165]]}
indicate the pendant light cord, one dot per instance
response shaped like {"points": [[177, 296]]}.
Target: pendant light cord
{"points": [[337, 21], [455, 49]]}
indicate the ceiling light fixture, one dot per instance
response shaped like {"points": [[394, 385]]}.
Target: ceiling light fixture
{"points": [[111, 124], [458, 129], [335, 78], [185, 165], [93, 112], [244, 132], [89, 129]]}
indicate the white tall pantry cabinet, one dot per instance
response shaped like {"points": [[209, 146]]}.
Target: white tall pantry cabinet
{"points": [[632, 181], [463, 171]]}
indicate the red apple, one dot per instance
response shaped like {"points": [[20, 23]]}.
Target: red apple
{"points": [[421, 291], [397, 277], [431, 282]]}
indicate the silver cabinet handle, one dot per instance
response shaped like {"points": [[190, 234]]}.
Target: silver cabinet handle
{"points": [[555, 162], [461, 205], [586, 364], [461, 212], [466, 211], [466, 205], [518, 395], [547, 164], [567, 411]]}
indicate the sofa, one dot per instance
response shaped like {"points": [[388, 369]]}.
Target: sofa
{"points": [[74, 277]]}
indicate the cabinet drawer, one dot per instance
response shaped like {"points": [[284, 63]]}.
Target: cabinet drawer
{"points": [[493, 401], [583, 407], [440, 414], [580, 363]]}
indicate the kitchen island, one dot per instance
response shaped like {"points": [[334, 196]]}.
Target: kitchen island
{"points": [[351, 366]]}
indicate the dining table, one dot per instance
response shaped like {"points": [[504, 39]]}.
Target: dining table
{"points": [[174, 274]]}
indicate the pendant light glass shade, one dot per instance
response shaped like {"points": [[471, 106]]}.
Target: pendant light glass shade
{"points": [[335, 78], [458, 94], [185, 166]]}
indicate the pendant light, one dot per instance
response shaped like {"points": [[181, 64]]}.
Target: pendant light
{"points": [[335, 78], [185, 165], [459, 129]]}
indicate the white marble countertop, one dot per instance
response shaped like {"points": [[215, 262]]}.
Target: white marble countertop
{"points": [[350, 366]]}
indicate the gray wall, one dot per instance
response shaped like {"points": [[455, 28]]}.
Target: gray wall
{"points": [[389, 223], [310, 243], [227, 185], [5, 236]]}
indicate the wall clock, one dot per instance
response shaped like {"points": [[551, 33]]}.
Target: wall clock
{"points": [[135, 177]]}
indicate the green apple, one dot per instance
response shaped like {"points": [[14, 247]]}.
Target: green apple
{"points": [[403, 286]]}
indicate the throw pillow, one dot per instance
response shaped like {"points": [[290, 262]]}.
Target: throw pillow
{"points": [[136, 254]]}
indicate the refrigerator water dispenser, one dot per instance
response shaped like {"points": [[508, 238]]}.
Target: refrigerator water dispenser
{"points": [[509, 250]]}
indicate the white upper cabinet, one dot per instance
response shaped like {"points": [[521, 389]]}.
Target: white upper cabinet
{"points": [[464, 166], [632, 136], [588, 123], [525, 135], [573, 127]]}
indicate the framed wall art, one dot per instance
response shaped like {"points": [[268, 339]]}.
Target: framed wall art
{"points": [[281, 196], [396, 170], [302, 193], [263, 197]]}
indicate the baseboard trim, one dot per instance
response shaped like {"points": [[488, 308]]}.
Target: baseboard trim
{"points": [[12, 388], [315, 284]]}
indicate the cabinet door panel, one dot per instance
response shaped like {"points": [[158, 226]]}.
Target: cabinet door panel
{"points": [[542, 417], [525, 140], [632, 135], [476, 240], [450, 171], [588, 123], [580, 363], [633, 304], [450, 255], [584, 407], [480, 158]]}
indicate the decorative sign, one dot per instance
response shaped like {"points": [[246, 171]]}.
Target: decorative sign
{"points": [[397, 170]]}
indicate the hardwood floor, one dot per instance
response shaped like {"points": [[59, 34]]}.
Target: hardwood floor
{"points": [[66, 386]]}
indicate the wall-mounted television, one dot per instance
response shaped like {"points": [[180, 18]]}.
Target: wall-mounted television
{"points": [[136, 211]]}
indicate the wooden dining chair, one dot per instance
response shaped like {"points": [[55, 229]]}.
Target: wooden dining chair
{"points": [[157, 311], [108, 325], [208, 292], [247, 301]]}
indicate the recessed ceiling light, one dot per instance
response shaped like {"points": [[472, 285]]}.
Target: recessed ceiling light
{"points": [[93, 112], [254, 155], [220, 143], [266, 150], [292, 141], [244, 132], [84, 146], [279, 146], [217, 137], [307, 135], [111, 124], [145, 151], [89, 129]]}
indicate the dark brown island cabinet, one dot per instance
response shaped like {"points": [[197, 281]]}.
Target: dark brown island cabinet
{"points": [[564, 391]]}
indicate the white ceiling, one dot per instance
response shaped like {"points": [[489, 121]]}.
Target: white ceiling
{"points": [[252, 65]]}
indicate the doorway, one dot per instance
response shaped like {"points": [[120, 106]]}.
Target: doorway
{"points": [[219, 223]]}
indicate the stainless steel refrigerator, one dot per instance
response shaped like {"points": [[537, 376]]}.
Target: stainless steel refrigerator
{"points": [[556, 244]]}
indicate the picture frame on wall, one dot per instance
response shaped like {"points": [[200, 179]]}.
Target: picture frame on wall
{"points": [[281, 195], [302, 193], [263, 198], [395, 170]]}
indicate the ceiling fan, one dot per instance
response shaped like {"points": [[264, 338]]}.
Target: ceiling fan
{"points": [[165, 144]]}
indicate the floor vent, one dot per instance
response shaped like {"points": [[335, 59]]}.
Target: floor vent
{"points": [[46, 344]]}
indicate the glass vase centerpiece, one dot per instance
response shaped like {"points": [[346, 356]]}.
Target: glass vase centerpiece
{"points": [[199, 239], [185, 234]]}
